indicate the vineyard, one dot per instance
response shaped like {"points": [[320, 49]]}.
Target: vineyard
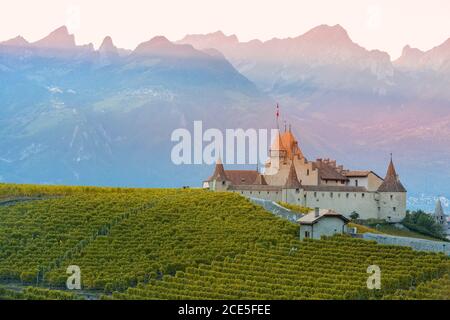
{"points": [[188, 244], [333, 268], [436, 289]]}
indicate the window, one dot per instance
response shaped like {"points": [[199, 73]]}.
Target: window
{"points": [[297, 190], [356, 182], [346, 195], [315, 194], [394, 208], [307, 172], [392, 197], [223, 183], [331, 194], [362, 195], [307, 234]]}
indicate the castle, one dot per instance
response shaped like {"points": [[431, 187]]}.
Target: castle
{"points": [[290, 177]]}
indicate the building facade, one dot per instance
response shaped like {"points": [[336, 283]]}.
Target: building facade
{"points": [[322, 222], [290, 177]]}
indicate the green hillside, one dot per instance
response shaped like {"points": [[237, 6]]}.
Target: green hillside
{"points": [[193, 244]]}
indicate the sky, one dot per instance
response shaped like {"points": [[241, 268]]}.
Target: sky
{"points": [[387, 25]]}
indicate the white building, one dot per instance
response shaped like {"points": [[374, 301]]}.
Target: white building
{"points": [[290, 177], [322, 222]]}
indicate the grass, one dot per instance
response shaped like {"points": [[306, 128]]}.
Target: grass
{"points": [[363, 229], [392, 230], [384, 228], [294, 207]]}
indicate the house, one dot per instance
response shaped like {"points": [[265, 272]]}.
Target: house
{"points": [[322, 222]]}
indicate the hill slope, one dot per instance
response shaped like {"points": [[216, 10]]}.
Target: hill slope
{"points": [[170, 243]]}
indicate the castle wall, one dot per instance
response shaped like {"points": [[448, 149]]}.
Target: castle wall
{"points": [[369, 205], [305, 172], [374, 182], [364, 203], [392, 206], [265, 195]]}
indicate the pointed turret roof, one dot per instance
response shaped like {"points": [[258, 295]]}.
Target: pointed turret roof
{"points": [[290, 143], [391, 182], [292, 181], [219, 171], [277, 144], [260, 180]]}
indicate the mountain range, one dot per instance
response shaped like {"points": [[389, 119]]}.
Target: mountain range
{"points": [[71, 114]]}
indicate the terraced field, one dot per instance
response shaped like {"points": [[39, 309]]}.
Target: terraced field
{"points": [[188, 244]]}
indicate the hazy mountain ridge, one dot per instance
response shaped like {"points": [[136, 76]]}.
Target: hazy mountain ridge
{"points": [[107, 114]]}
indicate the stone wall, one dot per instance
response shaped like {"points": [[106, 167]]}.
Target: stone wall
{"points": [[416, 244], [277, 210]]}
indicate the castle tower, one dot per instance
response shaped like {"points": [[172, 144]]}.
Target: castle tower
{"points": [[291, 145], [218, 181], [292, 187], [392, 199]]}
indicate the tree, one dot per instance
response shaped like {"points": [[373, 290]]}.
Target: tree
{"points": [[354, 215], [423, 223]]}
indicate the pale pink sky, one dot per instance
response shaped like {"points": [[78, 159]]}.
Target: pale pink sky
{"points": [[387, 25]]}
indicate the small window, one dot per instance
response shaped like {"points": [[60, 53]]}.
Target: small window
{"points": [[307, 234], [297, 190], [347, 195], [356, 182], [307, 172], [362, 195], [394, 208], [331, 194], [392, 197], [315, 194], [223, 183]]}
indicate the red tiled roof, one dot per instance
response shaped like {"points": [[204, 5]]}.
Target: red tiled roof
{"points": [[242, 177], [328, 172], [391, 182]]}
